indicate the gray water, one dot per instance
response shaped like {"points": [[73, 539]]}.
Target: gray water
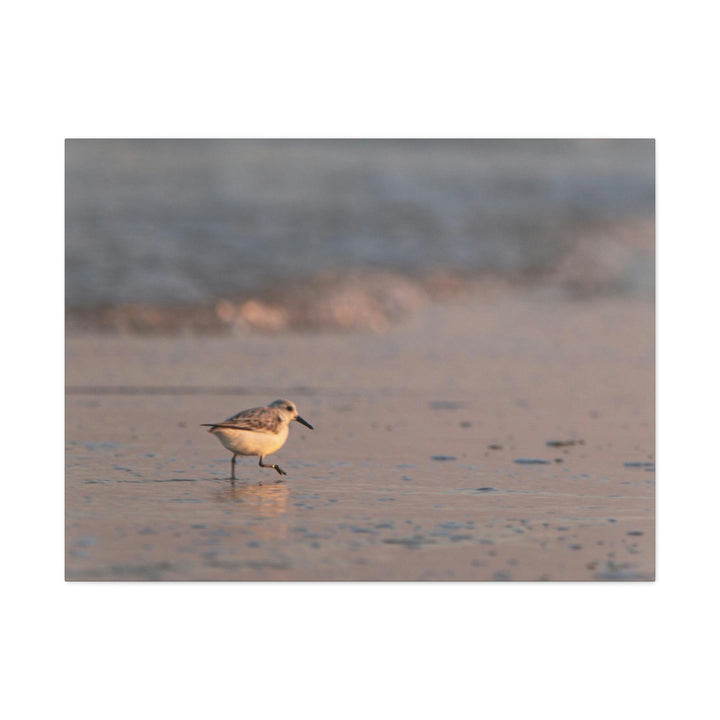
{"points": [[189, 221]]}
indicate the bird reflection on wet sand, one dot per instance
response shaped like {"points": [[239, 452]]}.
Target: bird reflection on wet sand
{"points": [[264, 500]]}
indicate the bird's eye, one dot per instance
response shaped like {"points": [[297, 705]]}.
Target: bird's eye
{"points": [[287, 407]]}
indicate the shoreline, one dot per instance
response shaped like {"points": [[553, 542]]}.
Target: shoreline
{"points": [[612, 260]]}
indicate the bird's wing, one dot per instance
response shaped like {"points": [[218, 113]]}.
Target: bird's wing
{"points": [[260, 419]]}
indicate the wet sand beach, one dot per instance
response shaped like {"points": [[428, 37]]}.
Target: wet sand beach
{"points": [[505, 438]]}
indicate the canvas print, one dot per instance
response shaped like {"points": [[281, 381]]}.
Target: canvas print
{"points": [[360, 360]]}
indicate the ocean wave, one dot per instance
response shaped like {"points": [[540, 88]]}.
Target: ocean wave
{"points": [[606, 260]]}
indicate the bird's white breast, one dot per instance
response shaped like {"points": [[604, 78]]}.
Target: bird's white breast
{"points": [[248, 442]]}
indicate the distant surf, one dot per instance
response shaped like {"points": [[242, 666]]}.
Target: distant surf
{"points": [[233, 235]]}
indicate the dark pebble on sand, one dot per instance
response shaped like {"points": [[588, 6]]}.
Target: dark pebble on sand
{"points": [[413, 542], [635, 532], [485, 489], [495, 446], [87, 541], [443, 458], [531, 461]]}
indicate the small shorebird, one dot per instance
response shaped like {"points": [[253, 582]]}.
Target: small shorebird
{"points": [[257, 431]]}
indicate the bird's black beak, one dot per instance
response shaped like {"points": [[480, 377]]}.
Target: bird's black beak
{"points": [[304, 422]]}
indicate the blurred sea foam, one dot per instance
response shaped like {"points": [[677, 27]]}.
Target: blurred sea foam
{"points": [[212, 234]]}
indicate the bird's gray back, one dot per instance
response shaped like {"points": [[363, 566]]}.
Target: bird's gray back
{"points": [[264, 419]]}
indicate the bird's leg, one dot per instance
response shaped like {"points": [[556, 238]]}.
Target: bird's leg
{"points": [[276, 467], [232, 467]]}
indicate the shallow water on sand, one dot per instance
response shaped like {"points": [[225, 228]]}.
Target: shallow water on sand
{"points": [[540, 467], [151, 516]]}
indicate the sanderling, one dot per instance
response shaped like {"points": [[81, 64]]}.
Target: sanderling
{"points": [[257, 431]]}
